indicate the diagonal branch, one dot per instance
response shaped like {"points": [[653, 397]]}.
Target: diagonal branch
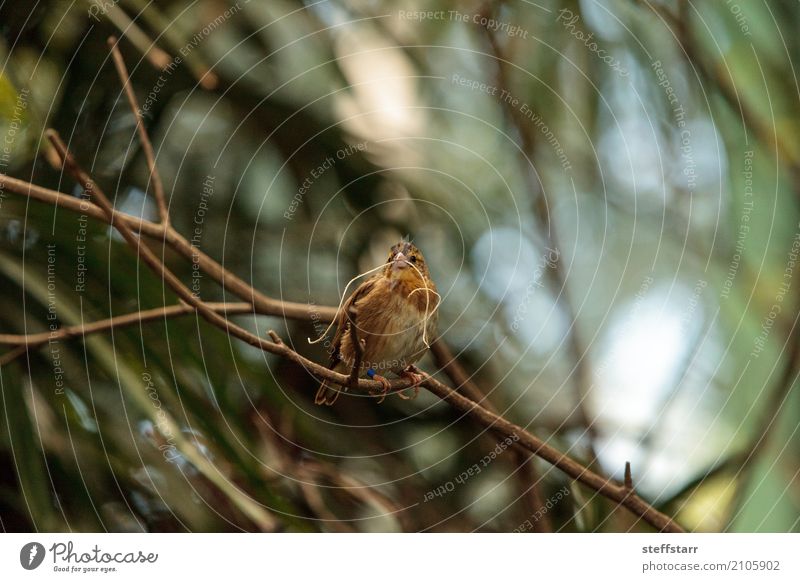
{"points": [[262, 304], [137, 37], [155, 176], [526, 471], [616, 492]]}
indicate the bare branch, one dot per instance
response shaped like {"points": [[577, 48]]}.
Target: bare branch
{"points": [[137, 37], [603, 486], [34, 340], [147, 146], [262, 304], [527, 475], [628, 482]]}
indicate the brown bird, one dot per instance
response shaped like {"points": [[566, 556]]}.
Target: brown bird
{"points": [[395, 320]]}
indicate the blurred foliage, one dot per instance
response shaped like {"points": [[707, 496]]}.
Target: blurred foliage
{"points": [[168, 426]]}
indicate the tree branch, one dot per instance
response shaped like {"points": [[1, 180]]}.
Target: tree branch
{"points": [[24, 343], [183, 292], [262, 304], [605, 487], [528, 476], [137, 37], [155, 176]]}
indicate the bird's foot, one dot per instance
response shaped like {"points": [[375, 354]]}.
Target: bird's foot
{"points": [[386, 386], [413, 374]]}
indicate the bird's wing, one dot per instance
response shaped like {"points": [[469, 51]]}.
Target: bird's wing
{"points": [[342, 319]]}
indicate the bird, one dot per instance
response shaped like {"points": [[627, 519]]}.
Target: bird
{"points": [[394, 313]]}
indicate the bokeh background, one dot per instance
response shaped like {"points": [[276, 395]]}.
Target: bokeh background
{"points": [[606, 192]]}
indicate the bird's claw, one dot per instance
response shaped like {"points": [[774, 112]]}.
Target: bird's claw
{"points": [[411, 373], [416, 377], [386, 386]]}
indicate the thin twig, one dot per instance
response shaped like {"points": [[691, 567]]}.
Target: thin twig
{"points": [[174, 37], [130, 30], [147, 147], [628, 482], [34, 340]]}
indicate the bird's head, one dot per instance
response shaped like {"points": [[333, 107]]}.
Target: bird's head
{"points": [[406, 264]]}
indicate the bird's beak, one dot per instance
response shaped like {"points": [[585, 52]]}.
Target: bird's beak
{"points": [[400, 261]]}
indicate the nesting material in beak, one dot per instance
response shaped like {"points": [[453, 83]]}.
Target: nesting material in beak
{"points": [[400, 261]]}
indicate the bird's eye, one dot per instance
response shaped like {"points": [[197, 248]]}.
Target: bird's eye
{"points": [[413, 259]]}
